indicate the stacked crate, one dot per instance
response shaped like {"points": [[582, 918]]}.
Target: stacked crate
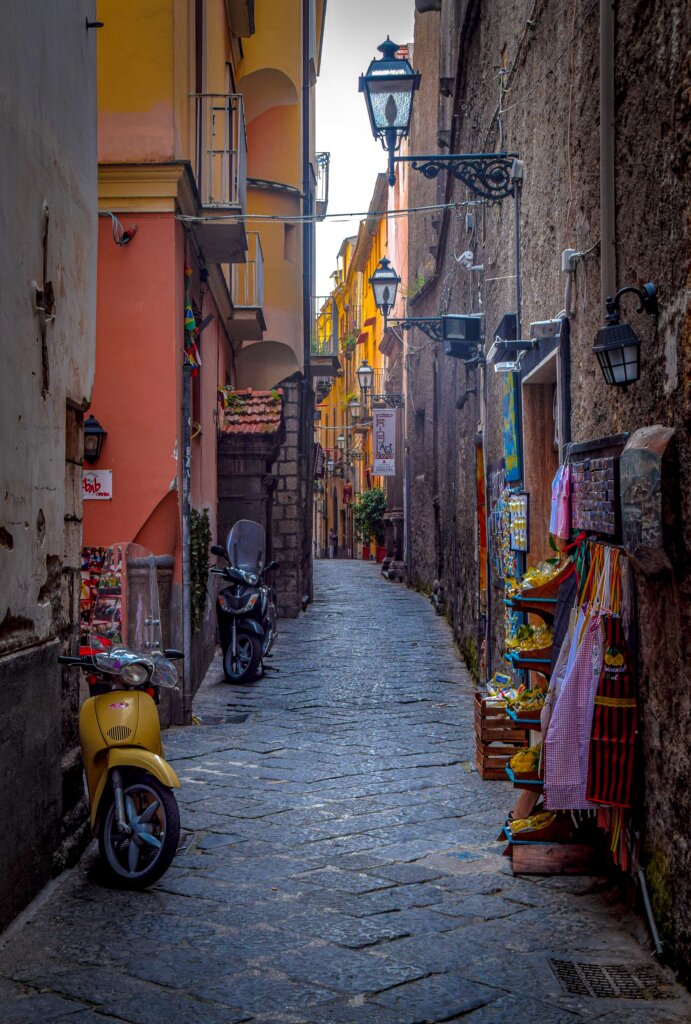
{"points": [[496, 738]]}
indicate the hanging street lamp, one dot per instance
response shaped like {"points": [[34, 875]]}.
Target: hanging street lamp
{"points": [[355, 406], [365, 376], [617, 346], [385, 282], [389, 87], [94, 435], [462, 333], [340, 442]]}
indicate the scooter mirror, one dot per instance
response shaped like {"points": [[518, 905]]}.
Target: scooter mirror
{"points": [[216, 549], [271, 565], [174, 655]]}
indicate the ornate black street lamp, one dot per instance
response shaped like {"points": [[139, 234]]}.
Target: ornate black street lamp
{"points": [[617, 346], [389, 87], [461, 333], [365, 376], [385, 282], [93, 439]]}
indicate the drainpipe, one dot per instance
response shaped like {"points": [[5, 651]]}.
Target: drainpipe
{"points": [[608, 252], [306, 190], [186, 566]]}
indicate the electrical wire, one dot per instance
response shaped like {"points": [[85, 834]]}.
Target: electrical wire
{"points": [[312, 218], [552, 66], [121, 235]]}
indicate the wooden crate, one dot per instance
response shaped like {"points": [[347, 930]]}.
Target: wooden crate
{"points": [[493, 725], [555, 859], [491, 759]]}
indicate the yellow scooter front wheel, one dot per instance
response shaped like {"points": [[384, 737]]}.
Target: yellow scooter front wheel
{"points": [[137, 858]]}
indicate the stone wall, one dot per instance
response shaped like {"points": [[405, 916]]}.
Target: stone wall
{"points": [[551, 116], [48, 213]]}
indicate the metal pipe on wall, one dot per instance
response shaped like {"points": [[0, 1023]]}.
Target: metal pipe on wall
{"points": [[608, 251]]}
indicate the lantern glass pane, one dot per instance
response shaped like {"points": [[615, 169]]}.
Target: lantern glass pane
{"points": [[390, 97]]}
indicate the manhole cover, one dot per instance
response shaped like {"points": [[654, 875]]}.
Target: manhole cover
{"points": [[611, 981]]}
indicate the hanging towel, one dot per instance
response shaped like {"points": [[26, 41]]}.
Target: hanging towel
{"points": [[615, 720], [568, 738]]}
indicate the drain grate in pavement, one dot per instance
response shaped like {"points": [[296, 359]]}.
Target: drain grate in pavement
{"points": [[235, 718], [188, 841], [611, 981]]}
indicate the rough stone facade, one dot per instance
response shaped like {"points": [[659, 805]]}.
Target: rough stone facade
{"points": [[48, 216], [548, 56], [292, 507]]}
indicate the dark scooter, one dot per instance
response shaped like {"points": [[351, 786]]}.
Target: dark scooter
{"points": [[246, 608]]}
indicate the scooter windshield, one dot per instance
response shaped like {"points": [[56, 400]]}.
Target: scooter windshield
{"points": [[246, 546], [125, 622]]}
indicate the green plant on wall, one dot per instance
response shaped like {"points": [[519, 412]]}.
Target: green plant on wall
{"points": [[200, 539], [349, 343], [368, 515]]}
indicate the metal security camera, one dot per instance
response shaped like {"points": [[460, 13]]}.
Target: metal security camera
{"points": [[545, 329]]}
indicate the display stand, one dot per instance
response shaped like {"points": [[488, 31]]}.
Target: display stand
{"points": [[558, 852]]}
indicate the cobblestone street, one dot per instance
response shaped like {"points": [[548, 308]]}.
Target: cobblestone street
{"points": [[340, 862]]}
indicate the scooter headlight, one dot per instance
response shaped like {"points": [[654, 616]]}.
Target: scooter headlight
{"points": [[134, 675]]}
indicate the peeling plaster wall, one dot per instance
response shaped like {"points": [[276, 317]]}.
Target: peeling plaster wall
{"points": [[551, 120], [48, 116]]}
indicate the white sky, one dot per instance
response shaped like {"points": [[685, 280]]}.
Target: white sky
{"points": [[353, 31]]}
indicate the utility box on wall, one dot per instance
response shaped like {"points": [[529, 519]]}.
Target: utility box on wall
{"points": [[646, 481]]}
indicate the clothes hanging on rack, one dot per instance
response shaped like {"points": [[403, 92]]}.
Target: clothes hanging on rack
{"points": [[615, 722]]}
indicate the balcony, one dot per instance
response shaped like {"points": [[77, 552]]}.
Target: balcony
{"points": [[246, 283], [324, 360], [322, 196], [221, 176]]}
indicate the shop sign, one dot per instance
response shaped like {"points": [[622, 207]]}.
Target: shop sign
{"points": [[97, 484], [384, 426], [511, 442], [318, 462]]}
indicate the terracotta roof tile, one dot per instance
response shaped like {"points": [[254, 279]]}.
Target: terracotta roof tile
{"points": [[249, 411]]}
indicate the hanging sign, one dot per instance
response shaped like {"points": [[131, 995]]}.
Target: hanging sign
{"points": [[319, 462], [511, 439], [97, 484], [384, 426]]}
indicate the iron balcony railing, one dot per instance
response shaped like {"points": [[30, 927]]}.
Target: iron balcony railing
{"points": [[221, 150], [325, 327], [322, 197], [247, 279]]}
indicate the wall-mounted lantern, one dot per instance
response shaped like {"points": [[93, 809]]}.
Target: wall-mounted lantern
{"points": [[355, 407], [385, 282], [617, 346], [340, 442], [389, 87], [365, 376], [93, 439]]}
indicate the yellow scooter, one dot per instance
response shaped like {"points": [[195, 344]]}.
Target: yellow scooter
{"points": [[134, 813]]}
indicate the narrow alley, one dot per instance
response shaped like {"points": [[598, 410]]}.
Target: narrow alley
{"points": [[339, 863]]}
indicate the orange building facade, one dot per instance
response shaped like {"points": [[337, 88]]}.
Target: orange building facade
{"points": [[200, 128]]}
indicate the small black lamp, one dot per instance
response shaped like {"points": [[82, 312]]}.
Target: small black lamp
{"points": [[617, 346], [365, 376], [385, 282], [93, 439]]}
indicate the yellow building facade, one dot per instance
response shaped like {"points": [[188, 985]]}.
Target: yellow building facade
{"points": [[349, 321]]}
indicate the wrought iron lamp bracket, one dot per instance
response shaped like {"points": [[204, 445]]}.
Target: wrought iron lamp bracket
{"points": [[487, 175], [392, 401], [431, 326]]}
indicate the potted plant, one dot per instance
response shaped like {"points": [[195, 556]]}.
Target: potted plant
{"points": [[349, 344], [368, 519]]}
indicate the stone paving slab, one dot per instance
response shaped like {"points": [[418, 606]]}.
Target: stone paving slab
{"points": [[340, 863]]}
